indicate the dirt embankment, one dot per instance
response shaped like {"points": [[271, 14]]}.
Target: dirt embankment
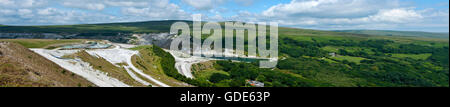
{"points": [[21, 67]]}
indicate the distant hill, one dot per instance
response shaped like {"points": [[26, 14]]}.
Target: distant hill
{"points": [[115, 32], [399, 33], [121, 32], [20, 67], [125, 27]]}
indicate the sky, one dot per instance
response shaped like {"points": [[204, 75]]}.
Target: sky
{"points": [[405, 15]]}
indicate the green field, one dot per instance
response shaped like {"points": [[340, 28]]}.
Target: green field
{"points": [[400, 33], [348, 58], [349, 49], [413, 56], [41, 43], [152, 62], [206, 74]]}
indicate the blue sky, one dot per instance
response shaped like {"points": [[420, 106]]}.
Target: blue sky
{"points": [[408, 15]]}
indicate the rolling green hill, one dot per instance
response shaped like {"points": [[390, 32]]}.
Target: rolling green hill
{"points": [[399, 33]]}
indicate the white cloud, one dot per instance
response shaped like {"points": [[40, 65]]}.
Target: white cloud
{"points": [[84, 4], [47, 11], [212, 4], [352, 14], [102, 4], [50, 16], [25, 13], [31, 3], [216, 17], [137, 10], [329, 8], [157, 10], [397, 16], [244, 2], [171, 11], [39, 12], [6, 11], [6, 2], [21, 3], [314, 14], [203, 4], [127, 3]]}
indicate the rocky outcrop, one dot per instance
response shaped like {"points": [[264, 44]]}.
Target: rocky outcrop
{"points": [[162, 40]]}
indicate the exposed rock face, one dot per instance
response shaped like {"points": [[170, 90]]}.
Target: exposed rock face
{"points": [[159, 39], [162, 40]]}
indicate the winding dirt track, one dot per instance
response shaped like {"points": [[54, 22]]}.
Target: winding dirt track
{"points": [[120, 55], [135, 77], [129, 62]]}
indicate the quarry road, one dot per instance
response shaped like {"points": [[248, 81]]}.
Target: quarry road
{"points": [[135, 77], [183, 62], [129, 62], [184, 67], [118, 54]]}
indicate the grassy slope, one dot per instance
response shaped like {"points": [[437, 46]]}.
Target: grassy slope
{"points": [[413, 56], [21, 67], [150, 64], [41, 43], [349, 58], [324, 36], [349, 49], [205, 70], [321, 36]]}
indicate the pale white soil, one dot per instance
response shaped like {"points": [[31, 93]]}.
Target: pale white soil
{"points": [[115, 55], [81, 68]]}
